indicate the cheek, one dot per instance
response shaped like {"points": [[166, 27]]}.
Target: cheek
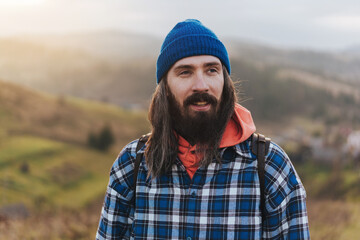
{"points": [[179, 96], [180, 93], [218, 89]]}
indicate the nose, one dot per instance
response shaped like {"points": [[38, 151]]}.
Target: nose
{"points": [[200, 84]]}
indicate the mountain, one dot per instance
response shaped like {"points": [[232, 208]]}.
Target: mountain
{"points": [[353, 51], [75, 72], [337, 65], [115, 45], [119, 68]]}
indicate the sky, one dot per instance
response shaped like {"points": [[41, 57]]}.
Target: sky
{"points": [[306, 24]]}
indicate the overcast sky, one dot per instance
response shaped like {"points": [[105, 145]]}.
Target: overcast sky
{"points": [[319, 24]]}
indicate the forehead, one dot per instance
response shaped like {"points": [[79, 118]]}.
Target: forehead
{"points": [[197, 61]]}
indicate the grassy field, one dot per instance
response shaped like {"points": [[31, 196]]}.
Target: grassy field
{"points": [[333, 219], [333, 200], [58, 188], [35, 169]]}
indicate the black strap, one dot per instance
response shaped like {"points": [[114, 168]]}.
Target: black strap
{"points": [[142, 140], [260, 147]]}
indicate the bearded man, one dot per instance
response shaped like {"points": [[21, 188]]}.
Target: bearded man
{"points": [[198, 178]]}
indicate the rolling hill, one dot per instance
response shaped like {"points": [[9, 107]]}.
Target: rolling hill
{"points": [[47, 172], [26, 111]]}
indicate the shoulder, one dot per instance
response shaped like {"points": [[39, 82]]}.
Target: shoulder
{"points": [[281, 178], [121, 173], [279, 165], [126, 156], [277, 160]]}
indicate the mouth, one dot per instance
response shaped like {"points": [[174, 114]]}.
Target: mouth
{"points": [[200, 102], [201, 106], [203, 103]]}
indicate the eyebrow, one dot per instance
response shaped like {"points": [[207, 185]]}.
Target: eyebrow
{"points": [[184, 66], [188, 66], [212, 64]]}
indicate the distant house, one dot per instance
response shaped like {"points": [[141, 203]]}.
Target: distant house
{"points": [[353, 143], [322, 152]]}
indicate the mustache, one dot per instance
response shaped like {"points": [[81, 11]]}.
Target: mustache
{"points": [[200, 97]]}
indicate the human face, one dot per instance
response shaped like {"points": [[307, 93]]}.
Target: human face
{"points": [[196, 74]]}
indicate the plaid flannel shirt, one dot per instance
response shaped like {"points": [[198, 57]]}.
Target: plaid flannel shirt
{"points": [[222, 201]]}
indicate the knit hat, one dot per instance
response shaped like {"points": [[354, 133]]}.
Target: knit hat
{"points": [[189, 38]]}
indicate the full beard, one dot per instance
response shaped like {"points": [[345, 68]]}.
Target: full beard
{"points": [[203, 128]]}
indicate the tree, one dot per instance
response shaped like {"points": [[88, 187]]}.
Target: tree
{"points": [[103, 140]]}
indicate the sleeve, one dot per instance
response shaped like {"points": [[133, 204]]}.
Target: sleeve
{"points": [[118, 211], [286, 217]]}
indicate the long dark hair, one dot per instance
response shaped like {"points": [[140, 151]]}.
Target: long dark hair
{"points": [[162, 146]]}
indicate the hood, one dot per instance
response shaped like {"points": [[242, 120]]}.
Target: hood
{"points": [[240, 127]]}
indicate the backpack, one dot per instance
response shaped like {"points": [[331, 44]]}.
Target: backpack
{"points": [[259, 147]]}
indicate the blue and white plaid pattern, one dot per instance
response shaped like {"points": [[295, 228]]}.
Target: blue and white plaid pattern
{"points": [[220, 202]]}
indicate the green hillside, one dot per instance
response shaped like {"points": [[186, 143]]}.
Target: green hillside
{"points": [[44, 174], [48, 175]]}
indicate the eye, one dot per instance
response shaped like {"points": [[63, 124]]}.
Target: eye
{"points": [[186, 72], [213, 70]]}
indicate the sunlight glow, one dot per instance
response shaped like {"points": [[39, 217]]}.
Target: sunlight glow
{"points": [[20, 2]]}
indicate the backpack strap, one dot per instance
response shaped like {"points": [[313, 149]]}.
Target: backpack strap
{"points": [[260, 147], [142, 140]]}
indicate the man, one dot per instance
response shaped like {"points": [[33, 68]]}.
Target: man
{"points": [[198, 178]]}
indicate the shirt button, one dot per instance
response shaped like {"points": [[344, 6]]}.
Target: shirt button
{"points": [[193, 194], [188, 238]]}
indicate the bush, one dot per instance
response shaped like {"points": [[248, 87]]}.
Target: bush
{"points": [[25, 168], [103, 140]]}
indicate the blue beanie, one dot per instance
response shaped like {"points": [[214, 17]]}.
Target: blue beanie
{"points": [[189, 38]]}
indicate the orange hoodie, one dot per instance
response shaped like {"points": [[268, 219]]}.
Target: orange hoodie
{"points": [[239, 128]]}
